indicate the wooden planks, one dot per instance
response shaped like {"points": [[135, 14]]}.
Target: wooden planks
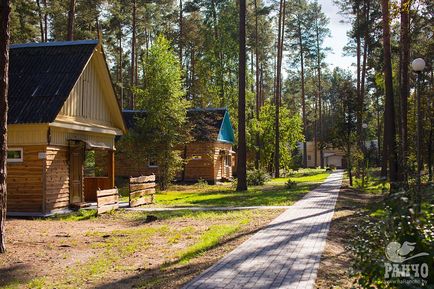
{"points": [[26, 182], [107, 200], [142, 190], [143, 179]]}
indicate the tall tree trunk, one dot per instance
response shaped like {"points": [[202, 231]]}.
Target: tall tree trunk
{"points": [[41, 21], [404, 63], [242, 152], [321, 128], [358, 70], [71, 20], [361, 101], [258, 101], [315, 132], [303, 98], [278, 89], [389, 123], [5, 10], [45, 20], [181, 38], [133, 52]]}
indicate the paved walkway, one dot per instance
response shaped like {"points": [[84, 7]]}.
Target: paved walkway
{"points": [[286, 254]]}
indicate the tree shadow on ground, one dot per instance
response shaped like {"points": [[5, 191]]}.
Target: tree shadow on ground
{"points": [[15, 274]]}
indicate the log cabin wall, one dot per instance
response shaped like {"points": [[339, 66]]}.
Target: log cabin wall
{"points": [[204, 162], [26, 181], [200, 163], [57, 178], [127, 167]]}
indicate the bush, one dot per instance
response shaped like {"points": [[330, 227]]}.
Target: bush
{"points": [[201, 183], [290, 184], [257, 177], [397, 222]]}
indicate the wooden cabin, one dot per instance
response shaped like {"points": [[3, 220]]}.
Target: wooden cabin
{"points": [[209, 156], [333, 157], [62, 112]]}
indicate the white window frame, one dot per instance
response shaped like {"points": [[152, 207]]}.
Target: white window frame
{"points": [[151, 166], [227, 160], [20, 160], [196, 157]]}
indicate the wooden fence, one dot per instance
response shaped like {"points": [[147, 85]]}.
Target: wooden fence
{"points": [[107, 200], [142, 190]]}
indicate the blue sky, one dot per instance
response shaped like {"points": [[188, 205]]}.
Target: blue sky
{"points": [[338, 37]]}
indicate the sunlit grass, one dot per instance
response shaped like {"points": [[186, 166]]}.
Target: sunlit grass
{"points": [[208, 240], [74, 216], [273, 193]]}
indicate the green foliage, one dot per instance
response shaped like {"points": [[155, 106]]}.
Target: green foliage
{"points": [[201, 183], [290, 127], [23, 21], [397, 222], [164, 128], [290, 184], [257, 177]]}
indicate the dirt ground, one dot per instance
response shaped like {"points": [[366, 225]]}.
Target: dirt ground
{"points": [[116, 251], [336, 259]]}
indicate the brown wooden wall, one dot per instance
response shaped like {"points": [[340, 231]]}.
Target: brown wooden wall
{"points": [[25, 182], [57, 178], [200, 168], [209, 167], [125, 167]]}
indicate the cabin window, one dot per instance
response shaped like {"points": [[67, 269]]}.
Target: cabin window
{"points": [[152, 163], [15, 155], [228, 160], [196, 157], [308, 157]]}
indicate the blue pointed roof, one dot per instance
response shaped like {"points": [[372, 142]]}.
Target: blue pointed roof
{"points": [[226, 133]]}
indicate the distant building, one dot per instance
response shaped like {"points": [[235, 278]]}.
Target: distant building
{"points": [[332, 156], [61, 106], [210, 155]]}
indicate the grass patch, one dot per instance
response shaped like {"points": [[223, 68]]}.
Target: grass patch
{"points": [[272, 193], [185, 215], [79, 215], [208, 240], [37, 283], [112, 248]]}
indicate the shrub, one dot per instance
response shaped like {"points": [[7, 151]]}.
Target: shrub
{"points": [[257, 177], [290, 184], [201, 183], [397, 222]]}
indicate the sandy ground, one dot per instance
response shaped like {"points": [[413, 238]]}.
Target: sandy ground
{"points": [[60, 251]]}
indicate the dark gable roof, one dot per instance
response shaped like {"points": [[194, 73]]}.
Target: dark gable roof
{"points": [[41, 77], [206, 122]]}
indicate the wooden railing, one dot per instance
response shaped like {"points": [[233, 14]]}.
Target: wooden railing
{"points": [[142, 190], [107, 200]]}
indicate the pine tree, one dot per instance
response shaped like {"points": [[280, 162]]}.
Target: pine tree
{"points": [[242, 153], [5, 10]]}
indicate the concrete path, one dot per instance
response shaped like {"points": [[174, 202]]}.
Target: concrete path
{"points": [[286, 254]]}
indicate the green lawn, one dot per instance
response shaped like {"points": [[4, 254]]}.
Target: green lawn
{"points": [[272, 193]]}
